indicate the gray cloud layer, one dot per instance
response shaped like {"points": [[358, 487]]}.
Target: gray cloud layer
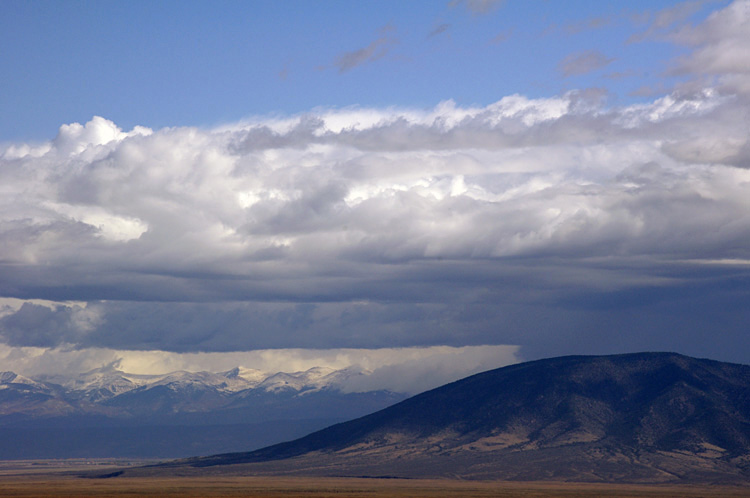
{"points": [[558, 224]]}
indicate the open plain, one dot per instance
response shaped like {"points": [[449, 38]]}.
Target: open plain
{"points": [[62, 479]]}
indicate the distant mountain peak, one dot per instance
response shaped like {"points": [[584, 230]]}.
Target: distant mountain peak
{"points": [[251, 375], [233, 373], [9, 377]]}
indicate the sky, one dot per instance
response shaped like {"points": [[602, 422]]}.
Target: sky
{"points": [[454, 185]]}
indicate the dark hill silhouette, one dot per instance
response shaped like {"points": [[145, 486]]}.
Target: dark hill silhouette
{"points": [[645, 417]]}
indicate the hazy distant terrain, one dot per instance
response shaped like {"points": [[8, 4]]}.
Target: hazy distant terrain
{"points": [[649, 418], [110, 413]]}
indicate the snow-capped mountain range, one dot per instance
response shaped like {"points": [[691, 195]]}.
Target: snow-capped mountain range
{"points": [[104, 385], [108, 382], [224, 410]]}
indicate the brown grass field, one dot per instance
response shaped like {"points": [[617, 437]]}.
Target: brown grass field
{"points": [[58, 479]]}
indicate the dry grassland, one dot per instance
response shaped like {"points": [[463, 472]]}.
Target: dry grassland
{"points": [[53, 478], [40, 485]]}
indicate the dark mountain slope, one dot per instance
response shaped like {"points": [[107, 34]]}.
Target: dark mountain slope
{"points": [[637, 417]]}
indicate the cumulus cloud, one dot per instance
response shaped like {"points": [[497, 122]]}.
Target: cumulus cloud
{"points": [[364, 227], [75, 138], [560, 224], [721, 47]]}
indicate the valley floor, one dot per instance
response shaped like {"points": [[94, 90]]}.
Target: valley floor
{"points": [[49, 479]]}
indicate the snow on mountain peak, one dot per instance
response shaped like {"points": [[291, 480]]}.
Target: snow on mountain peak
{"points": [[311, 380], [251, 375], [7, 377], [108, 381], [13, 378]]}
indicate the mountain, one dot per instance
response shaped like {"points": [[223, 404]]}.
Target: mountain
{"points": [[23, 397], [110, 413], [647, 417]]}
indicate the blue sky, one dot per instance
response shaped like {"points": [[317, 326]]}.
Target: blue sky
{"points": [[317, 178], [190, 63]]}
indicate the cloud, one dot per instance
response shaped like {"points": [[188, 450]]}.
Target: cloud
{"points": [[478, 6], [440, 29], [559, 224], [377, 49], [417, 370], [587, 25], [721, 47], [583, 63], [502, 36], [661, 22], [42, 326]]}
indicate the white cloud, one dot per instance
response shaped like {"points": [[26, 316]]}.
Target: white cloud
{"points": [[670, 106], [75, 138], [721, 47], [367, 228]]}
